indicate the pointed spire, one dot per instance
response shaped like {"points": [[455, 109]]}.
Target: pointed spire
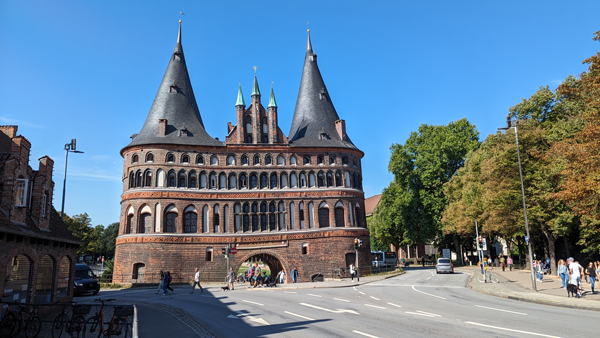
{"points": [[240, 98], [255, 90], [272, 102], [308, 44], [175, 104]]}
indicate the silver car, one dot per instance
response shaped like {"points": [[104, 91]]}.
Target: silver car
{"points": [[444, 265]]}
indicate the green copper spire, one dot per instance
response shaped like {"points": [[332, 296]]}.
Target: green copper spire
{"points": [[272, 102], [240, 98], [255, 90]]}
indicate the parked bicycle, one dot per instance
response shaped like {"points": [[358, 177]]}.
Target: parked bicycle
{"points": [[8, 319], [27, 321], [72, 326], [489, 277], [119, 323]]}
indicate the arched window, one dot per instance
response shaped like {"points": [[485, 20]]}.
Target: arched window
{"points": [[129, 224], [348, 184], [265, 130], [281, 209], [273, 181], [350, 213], [293, 180], [254, 222], [301, 215], [192, 180], [185, 159], [205, 219], [138, 271], [243, 181], [45, 280], [331, 159], [280, 160], [253, 181], [230, 160], [236, 218], [323, 216], [226, 219], [190, 221], [203, 180], [320, 159], [145, 221], [284, 180], [248, 129], [244, 159], [64, 271], [339, 215], [329, 179], [320, 179], [232, 181], [302, 180], [305, 248], [306, 160], [292, 216], [131, 180], [311, 180], [256, 159], [216, 218], [209, 254], [338, 179], [263, 216], [171, 222], [171, 181], [182, 179], [160, 178], [212, 181], [134, 158], [148, 179], [344, 160], [358, 216], [246, 217], [149, 157], [214, 160], [272, 222], [18, 277], [263, 181], [170, 158], [222, 181], [268, 160], [44, 203], [311, 215], [293, 160], [138, 179], [200, 159]]}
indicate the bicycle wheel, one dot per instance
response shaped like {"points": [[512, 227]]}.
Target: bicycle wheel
{"points": [[33, 325], [480, 278], [91, 326], [494, 278], [77, 325], [8, 325], [119, 328], [58, 326]]}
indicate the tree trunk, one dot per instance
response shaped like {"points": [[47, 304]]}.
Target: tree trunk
{"points": [[567, 247], [459, 259], [520, 247], [551, 248]]}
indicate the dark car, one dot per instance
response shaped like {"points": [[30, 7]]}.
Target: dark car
{"points": [[85, 280]]}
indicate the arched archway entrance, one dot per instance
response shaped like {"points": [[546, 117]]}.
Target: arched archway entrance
{"points": [[270, 260]]}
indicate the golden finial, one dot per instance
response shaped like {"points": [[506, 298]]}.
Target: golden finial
{"points": [[272, 84], [254, 70], [179, 20], [308, 25]]}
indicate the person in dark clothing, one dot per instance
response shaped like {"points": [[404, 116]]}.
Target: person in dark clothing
{"points": [[169, 279], [423, 260], [591, 272]]}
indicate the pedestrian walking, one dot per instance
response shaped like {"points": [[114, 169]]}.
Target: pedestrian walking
{"points": [[539, 272], [352, 270], [160, 284], [496, 262], [257, 275], [509, 261], [563, 272], [251, 275], [423, 260], [197, 282], [502, 262], [294, 274], [169, 279], [281, 277], [575, 274], [165, 283], [591, 272], [230, 278]]}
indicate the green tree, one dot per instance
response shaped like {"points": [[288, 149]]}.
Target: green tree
{"points": [[109, 240]]}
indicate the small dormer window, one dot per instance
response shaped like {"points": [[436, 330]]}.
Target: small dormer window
{"points": [[174, 89], [344, 160], [176, 57], [320, 159], [332, 159], [149, 157], [244, 160], [170, 158], [185, 159], [306, 160], [324, 136], [268, 160], [323, 95], [134, 158], [200, 160]]}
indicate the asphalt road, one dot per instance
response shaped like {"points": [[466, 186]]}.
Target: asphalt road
{"points": [[419, 303]]}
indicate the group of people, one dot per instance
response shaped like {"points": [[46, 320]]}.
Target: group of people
{"points": [[571, 272], [498, 262], [165, 283]]}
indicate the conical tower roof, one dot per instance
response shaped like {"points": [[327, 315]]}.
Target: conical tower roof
{"points": [[313, 124], [176, 103]]}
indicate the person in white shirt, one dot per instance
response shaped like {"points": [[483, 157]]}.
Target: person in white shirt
{"points": [[574, 273], [197, 282]]}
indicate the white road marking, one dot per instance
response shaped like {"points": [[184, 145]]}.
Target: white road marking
{"points": [[427, 313], [233, 317], [329, 310], [362, 293], [247, 301], [297, 315], [354, 287], [251, 318], [392, 304], [289, 292], [511, 330], [375, 298], [491, 308], [421, 286], [310, 294], [419, 314], [375, 306], [365, 334], [342, 300], [425, 293], [428, 278]]}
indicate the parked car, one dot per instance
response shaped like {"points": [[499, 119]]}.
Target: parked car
{"points": [[444, 265], [85, 280]]}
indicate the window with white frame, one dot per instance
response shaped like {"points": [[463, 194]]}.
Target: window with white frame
{"points": [[21, 192]]}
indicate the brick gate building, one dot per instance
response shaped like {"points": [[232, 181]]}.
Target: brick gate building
{"points": [[291, 201]]}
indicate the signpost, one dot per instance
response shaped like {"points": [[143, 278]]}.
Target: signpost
{"points": [[233, 250], [446, 253]]}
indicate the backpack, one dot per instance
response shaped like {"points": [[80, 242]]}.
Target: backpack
{"points": [[170, 279]]}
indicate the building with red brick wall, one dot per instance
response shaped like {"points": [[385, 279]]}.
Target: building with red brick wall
{"points": [[37, 251], [291, 201]]}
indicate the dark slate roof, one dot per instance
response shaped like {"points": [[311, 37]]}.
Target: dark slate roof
{"points": [[184, 124], [58, 230], [315, 114]]}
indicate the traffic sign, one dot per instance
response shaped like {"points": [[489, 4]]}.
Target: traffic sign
{"points": [[233, 250], [526, 238]]}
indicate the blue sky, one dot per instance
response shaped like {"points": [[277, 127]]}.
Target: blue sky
{"points": [[90, 70]]}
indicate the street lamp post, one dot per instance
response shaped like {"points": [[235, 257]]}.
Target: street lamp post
{"points": [[69, 148], [528, 239]]}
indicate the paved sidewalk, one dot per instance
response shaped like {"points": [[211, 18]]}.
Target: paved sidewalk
{"points": [[174, 322], [516, 285]]}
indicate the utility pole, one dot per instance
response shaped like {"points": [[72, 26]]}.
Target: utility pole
{"points": [[69, 148], [479, 251]]}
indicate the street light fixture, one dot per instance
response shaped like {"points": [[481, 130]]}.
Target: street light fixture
{"points": [[69, 148], [527, 239]]}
